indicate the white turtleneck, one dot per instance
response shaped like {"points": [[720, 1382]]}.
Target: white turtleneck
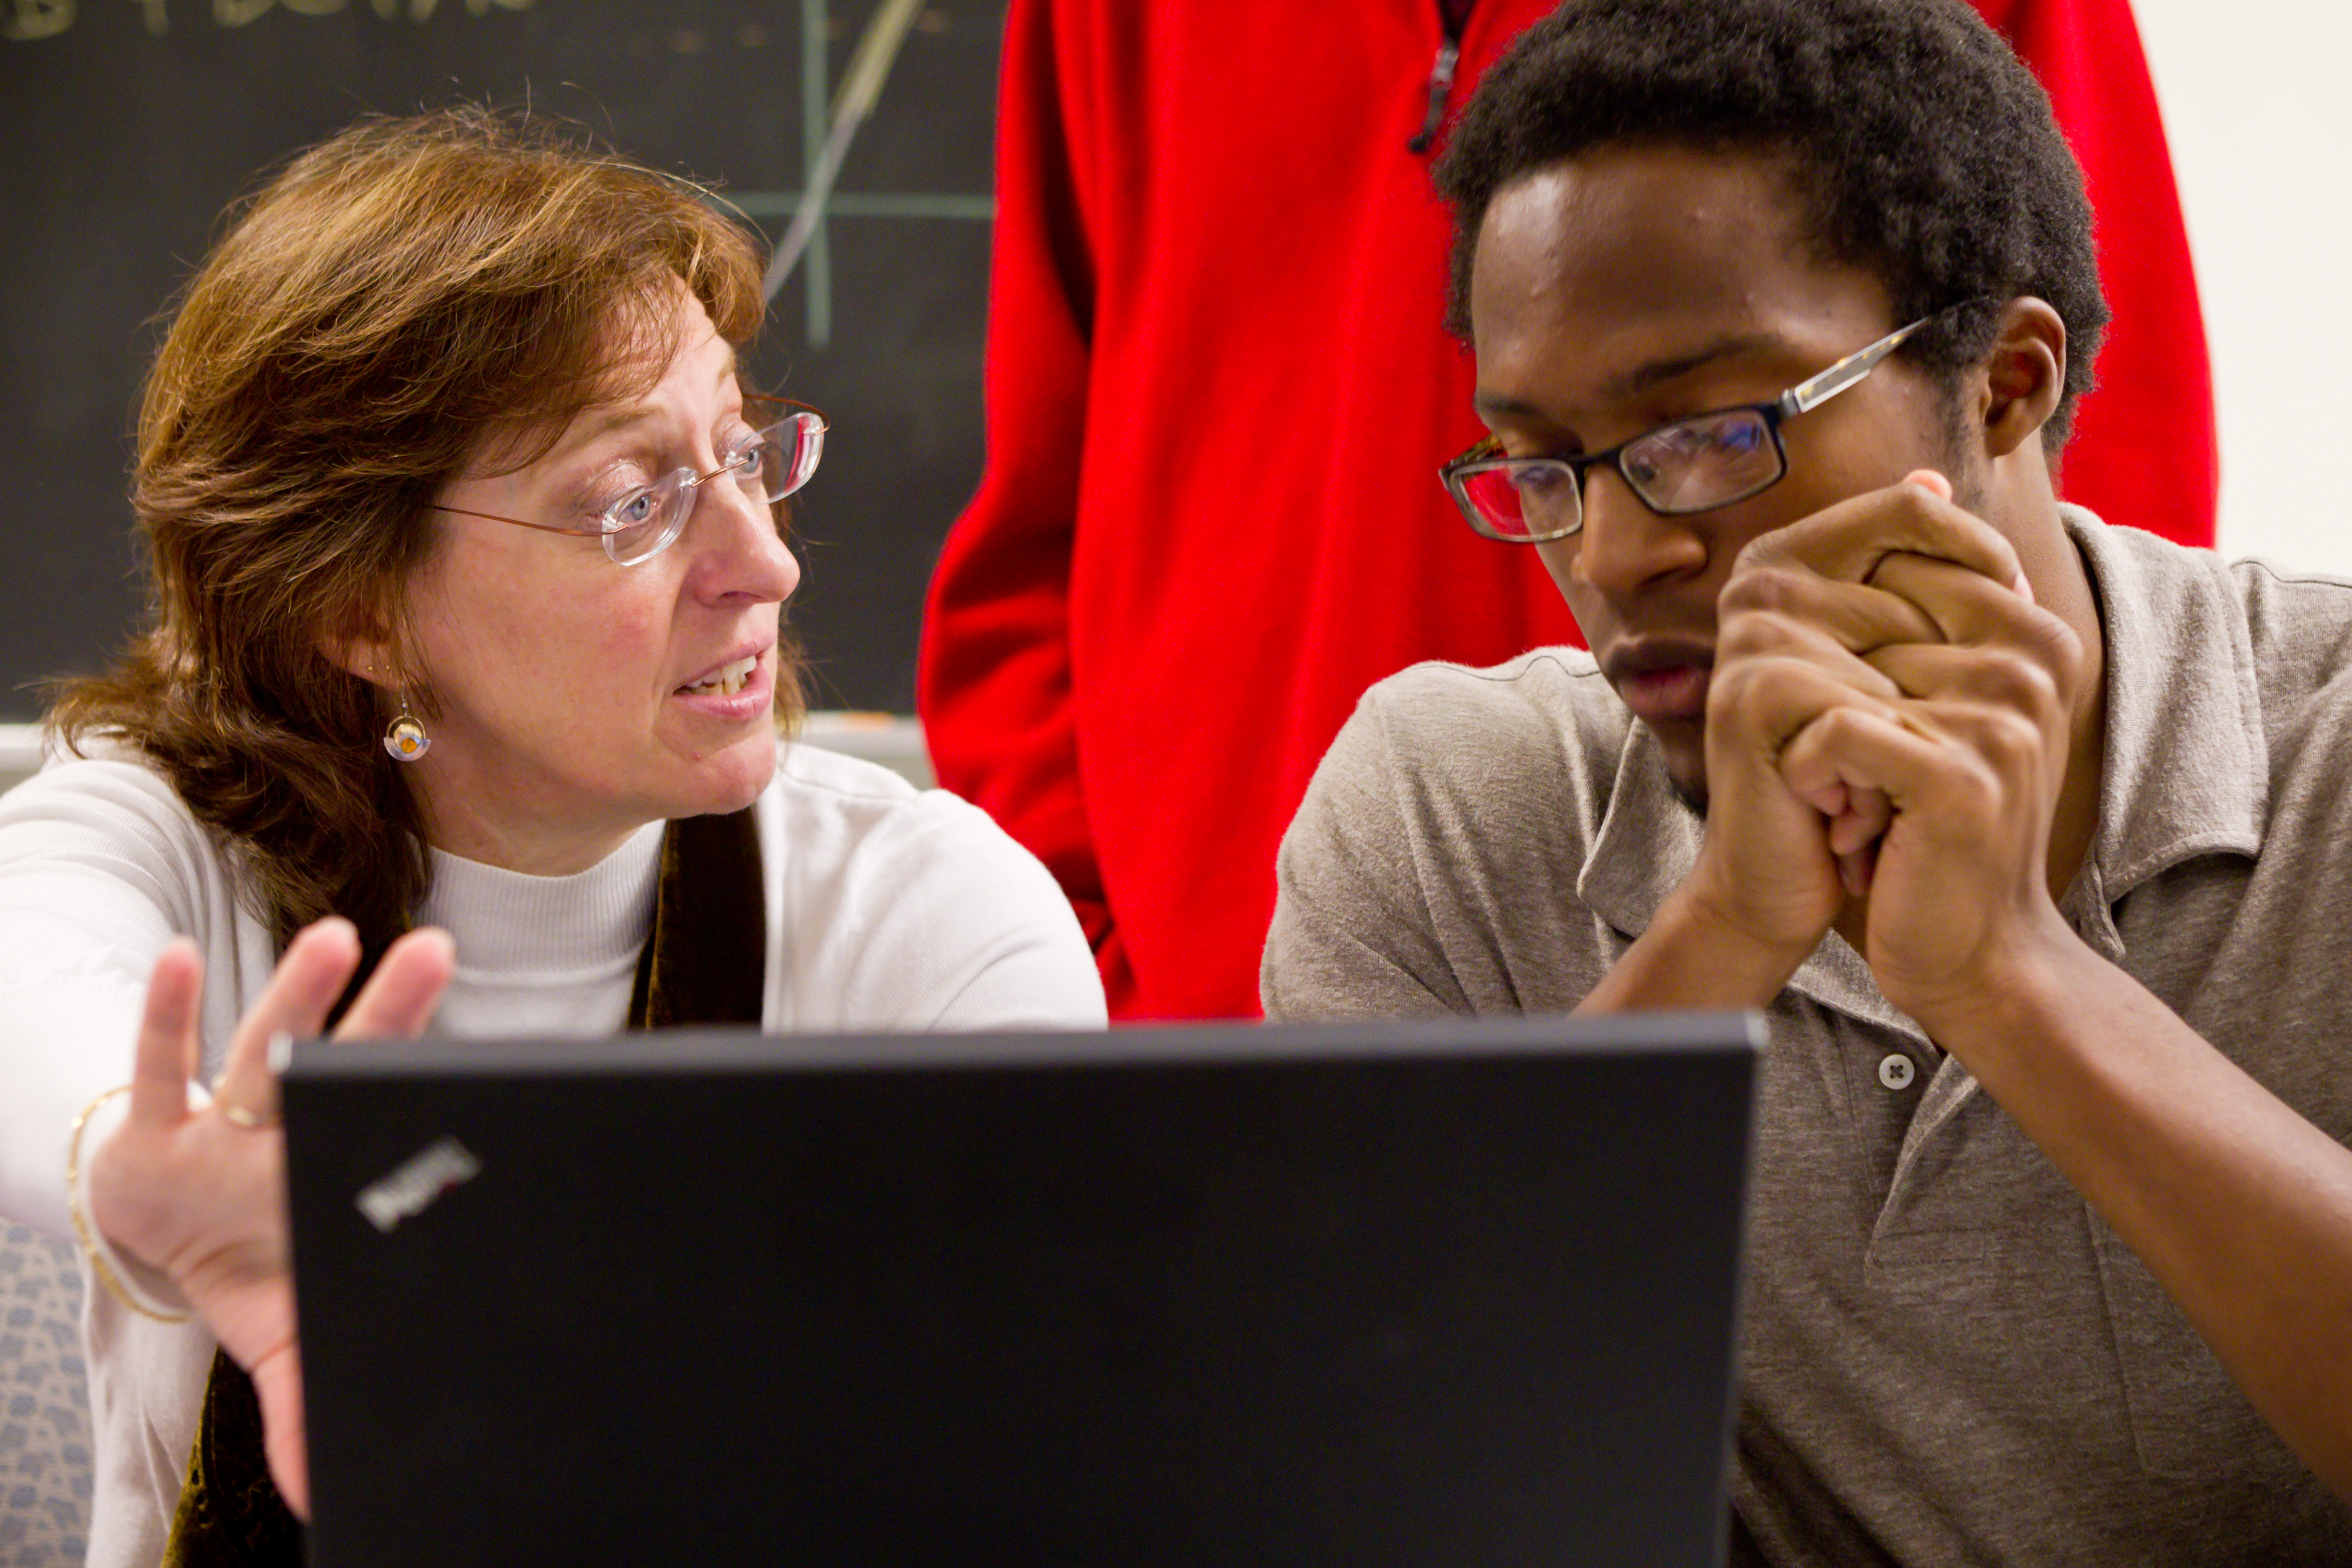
{"points": [[544, 955]]}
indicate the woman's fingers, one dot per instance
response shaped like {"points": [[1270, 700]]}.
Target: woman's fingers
{"points": [[168, 1050], [317, 966], [398, 1000]]}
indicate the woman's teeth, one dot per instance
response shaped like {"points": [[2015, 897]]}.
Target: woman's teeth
{"points": [[729, 679]]}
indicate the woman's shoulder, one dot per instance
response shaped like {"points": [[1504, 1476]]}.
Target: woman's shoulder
{"points": [[105, 836], [832, 793], [849, 783], [103, 791], [903, 908], [835, 813]]}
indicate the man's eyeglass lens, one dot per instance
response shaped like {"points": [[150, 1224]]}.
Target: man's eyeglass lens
{"points": [[776, 462], [1690, 466]]}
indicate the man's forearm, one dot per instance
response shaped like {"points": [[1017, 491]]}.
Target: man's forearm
{"points": [[1686, 961], [2241, 1208]]}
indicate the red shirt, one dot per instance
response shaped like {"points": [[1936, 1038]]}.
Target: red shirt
{"points": [[1219, 388]]}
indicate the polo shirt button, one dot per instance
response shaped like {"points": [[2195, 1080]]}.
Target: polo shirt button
{"points": [[1896, 1070]]}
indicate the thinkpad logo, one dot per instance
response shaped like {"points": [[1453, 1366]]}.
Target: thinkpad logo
{"points": [[413, 1187]]}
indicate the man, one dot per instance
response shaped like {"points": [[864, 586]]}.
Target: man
{"points": [[2025, 833], [1214, 391]]}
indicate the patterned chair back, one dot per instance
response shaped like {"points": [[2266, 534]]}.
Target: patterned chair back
{"points": [[45, 1446]]}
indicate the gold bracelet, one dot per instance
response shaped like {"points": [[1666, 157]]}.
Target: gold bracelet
{"points": [[98, 1264]]}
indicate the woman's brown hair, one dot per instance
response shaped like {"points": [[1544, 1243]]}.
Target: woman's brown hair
{"points": [[402, 300]]}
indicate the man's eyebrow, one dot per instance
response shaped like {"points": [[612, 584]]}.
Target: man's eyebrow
{"points": [[1658, 371], [1493, 406]]}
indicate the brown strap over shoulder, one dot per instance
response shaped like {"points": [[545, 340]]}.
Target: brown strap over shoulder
{"points": [[706, 961]]}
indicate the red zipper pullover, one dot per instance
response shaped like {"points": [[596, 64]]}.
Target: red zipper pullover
{"points": [[1218, 390]]}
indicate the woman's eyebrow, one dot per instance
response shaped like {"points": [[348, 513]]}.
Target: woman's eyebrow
{"points": [[589, 428], [593, 426]]}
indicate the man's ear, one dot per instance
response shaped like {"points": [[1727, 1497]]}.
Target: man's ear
{"points": [[2024, 376]]}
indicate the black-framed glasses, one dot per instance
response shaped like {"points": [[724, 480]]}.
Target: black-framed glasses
{"points": [[1692, 464], [769, 464]]}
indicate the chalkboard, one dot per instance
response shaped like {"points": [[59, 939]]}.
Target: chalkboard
{"points": [[132, 124]]}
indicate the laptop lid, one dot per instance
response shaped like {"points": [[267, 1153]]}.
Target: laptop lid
{"points": [[1457, 1291]]}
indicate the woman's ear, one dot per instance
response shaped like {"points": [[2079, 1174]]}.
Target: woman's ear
{"points": [[365, 651], [2024, 374]]}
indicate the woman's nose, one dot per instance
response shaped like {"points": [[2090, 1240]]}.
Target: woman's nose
{"points": [[741, 551]]}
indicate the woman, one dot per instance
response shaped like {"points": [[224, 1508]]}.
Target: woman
{"points": [[464, 673]]}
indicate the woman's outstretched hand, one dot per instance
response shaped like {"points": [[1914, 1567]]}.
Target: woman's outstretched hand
{"points": [[201, 1195]]}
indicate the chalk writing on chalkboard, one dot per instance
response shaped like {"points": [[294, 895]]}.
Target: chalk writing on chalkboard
{"points": [[27, 20]]}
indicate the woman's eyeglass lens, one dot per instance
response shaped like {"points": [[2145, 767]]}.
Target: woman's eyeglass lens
{"points": [[770, 466]]}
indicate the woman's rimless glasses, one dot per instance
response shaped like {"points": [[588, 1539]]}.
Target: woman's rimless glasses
{"points": [[769, 464]]}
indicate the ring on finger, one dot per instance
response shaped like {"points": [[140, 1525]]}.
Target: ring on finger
{"points": [[246, 1117]]}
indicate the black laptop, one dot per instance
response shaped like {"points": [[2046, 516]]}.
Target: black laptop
{"points": [[1456, 1293]]}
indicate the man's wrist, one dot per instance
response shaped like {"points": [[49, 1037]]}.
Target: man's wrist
{"points": [[2012, 998], [1690, 958]]}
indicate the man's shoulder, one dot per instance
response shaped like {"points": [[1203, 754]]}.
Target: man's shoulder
{"points": [[2209, 643], [1550, 704], [2298, 625], [1528, 747], [1435, 860], [2299, 637], [2228, 691]]}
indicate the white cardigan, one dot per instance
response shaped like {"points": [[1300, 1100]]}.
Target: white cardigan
{"points": [[888, 909]]}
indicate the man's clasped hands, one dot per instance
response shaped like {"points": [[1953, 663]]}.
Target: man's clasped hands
{"points": [[1888, 728]]}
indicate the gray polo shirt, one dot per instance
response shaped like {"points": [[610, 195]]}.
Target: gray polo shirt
{"points": [[1947, 1356]]}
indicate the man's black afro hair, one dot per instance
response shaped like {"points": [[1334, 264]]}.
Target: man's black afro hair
{"points": [[1925, 150]]}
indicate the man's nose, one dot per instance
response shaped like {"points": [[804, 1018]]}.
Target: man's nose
{"points": [[1624, 547]]}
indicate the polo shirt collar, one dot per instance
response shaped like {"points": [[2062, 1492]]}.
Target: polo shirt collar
{"points": [[2186, 769]]}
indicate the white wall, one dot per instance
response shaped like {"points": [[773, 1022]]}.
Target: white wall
{"points": [[2259, 111]]}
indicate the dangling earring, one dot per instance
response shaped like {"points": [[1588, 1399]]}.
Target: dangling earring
{"points": [[406, 739]]}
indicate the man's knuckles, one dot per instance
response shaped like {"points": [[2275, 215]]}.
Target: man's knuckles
{"points": [[2056, 645], [1848, 540], [1771, 585], [2003, 677], [2010, 743], [1760, 702], [2013, 683], [1858, 617], [1751, 632], [1952, 762]]}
